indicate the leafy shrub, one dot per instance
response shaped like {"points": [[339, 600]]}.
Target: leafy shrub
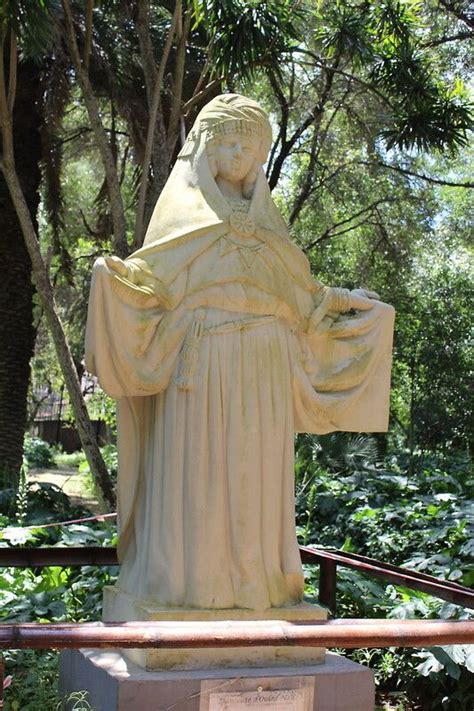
{"points": [[37, 452], [43, 502], [69, 460], [51, 594], [415, 512], [110, 456], [55, 593], [33, 683]]}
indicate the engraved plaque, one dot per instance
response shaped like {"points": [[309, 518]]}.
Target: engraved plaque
{"points": [[291, 693], [278, 699]]}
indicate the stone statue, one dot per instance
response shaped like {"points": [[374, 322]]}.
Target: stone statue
{"points": [[219, 345]]}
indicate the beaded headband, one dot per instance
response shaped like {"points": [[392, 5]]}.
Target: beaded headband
{"points": [[230, 113], [249, 128]]}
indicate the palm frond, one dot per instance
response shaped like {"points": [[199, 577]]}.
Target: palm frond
{"points": [[32, 23], [345, 453], [244, 36]]}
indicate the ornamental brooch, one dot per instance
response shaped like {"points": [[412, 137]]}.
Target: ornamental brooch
{"points": [[242, 224]]}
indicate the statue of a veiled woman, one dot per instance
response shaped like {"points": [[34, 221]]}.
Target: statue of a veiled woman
{"points": [[219, 345]]}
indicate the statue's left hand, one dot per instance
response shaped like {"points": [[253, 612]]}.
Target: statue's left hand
{"points": [[361, 299], [337, 301]]}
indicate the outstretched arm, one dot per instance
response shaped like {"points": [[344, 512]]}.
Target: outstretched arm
{"points": [[336, 301]]}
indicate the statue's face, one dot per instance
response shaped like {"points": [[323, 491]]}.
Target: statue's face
{"points": [[235, 155]]}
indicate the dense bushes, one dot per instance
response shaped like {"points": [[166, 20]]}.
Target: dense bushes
{"points": [[415, 512], [37, 452], [51, 594]]}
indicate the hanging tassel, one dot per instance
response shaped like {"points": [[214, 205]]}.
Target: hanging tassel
{"points": [[189, 354]]}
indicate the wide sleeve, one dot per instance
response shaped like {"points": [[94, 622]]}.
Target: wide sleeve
{"points": [[342, 378], [132, 337]]}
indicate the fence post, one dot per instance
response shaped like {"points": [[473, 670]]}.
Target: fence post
{"points": [[327, 583], [2, 676]]}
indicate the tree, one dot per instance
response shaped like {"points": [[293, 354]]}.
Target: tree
{"points": [[16, 292], [373, 120], [8, 39], [352, 91]]}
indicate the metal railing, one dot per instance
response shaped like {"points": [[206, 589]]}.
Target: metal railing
{"points": [[352, 633], [327, 559], [330, 559]]}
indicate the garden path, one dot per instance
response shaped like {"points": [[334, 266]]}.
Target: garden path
{"points": [[72, 482]]}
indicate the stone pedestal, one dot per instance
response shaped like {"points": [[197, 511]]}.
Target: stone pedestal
{"points": [[119, 606], [116, 684]]}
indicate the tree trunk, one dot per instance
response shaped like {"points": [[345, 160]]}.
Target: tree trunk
{"points": [[45, 290], [16, 291], [44, 286]]}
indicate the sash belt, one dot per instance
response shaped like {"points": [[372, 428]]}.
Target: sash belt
{"points": [[189, 354]]}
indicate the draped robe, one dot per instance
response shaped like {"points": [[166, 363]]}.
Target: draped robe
{"points": [[214, 370]]}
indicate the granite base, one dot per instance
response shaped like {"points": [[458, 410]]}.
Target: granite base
{"points": [[117, 684]]}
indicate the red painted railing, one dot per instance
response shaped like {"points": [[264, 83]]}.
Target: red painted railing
{"points": [[334, 633]]}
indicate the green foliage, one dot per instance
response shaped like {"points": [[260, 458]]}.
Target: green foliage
{"points": [[56, 594], [433, 346], [417, 516], [110, 456], [37, 452], [38, 502], [31, 22], [69, 459], [102, 407], [51, 594], [363, 508], [448, 676], [381, 40], [22, 496], [245, 35], [33, 683], [30, 502]]}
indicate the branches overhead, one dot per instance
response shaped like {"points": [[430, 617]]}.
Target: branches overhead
{"points": [[245, 35], [349, 223], [380, 43], [105, 149], [461, 10], [155, 99], [186, 54], [420, 176], [334, 64], [368, 74]]}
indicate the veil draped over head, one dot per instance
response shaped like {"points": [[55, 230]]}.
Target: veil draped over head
{"points": [[191, 209]]}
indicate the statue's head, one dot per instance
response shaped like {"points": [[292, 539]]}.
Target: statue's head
{"points": [[237, 136], [228, 143]]}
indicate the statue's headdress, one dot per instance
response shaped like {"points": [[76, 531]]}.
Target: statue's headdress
{"points": [[192, 212], [230, 113]]}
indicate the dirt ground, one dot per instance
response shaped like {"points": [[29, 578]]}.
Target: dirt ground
{"points": [[71, 482]]}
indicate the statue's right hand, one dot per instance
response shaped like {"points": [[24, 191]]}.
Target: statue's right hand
{"points": [[137, 272], [117, 265], [134, 270]]}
